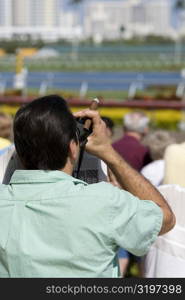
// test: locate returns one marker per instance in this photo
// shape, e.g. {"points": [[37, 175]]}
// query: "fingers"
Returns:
{"points": [[94, 115]]}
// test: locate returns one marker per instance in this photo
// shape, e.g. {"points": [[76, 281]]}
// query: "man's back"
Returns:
{"points": [[53, 225], [136, 154]]}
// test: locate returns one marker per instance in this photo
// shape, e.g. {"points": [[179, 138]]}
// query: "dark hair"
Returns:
{"points": [[109, 123], [43, 130]]}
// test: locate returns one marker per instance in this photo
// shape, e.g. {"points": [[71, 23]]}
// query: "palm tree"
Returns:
{"points": [[178, 7], [180, 4], [75, 1], [75, 42]]}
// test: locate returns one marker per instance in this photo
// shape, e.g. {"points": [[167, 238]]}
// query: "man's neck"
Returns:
{"points": [[68, 169], [136, 135]]}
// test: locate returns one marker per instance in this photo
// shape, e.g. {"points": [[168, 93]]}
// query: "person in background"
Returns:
{"points": [[157, 142], [166, 257], [109, 126], [110, 131], [9, 162], [136, 127], [174, 159], [5, 131]]}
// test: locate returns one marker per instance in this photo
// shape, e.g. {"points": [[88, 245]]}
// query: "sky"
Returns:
{"points": [[66, 3]]}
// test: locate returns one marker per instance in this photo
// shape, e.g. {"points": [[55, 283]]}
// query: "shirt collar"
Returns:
{"points": [[40, 176]]}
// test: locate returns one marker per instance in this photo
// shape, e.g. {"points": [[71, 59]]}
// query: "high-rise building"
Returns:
{"points": [[36, 13], [5, 13], [107, 18], [45, 19], [136, 17], [21, 13], [100, 19], [156, 15]]}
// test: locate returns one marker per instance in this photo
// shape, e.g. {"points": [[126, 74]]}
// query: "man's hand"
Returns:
{"points": [[98, 142]]}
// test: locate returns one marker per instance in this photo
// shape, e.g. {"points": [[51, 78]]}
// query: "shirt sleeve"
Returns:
{"points": [[135, 223]]}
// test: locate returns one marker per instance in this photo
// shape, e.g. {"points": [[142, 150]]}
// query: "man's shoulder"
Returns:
{"points": [[102, 187], [106, 192], [5, 193]]}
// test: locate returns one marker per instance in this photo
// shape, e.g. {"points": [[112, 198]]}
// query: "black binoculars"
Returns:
{"points": [[82, 132]]}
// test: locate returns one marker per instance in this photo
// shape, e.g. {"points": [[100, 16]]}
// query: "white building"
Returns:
{"points": [[43, 19], [5, 13], [104, 19], [37, 18], [153, 16], [35, 13], [69, 25]]}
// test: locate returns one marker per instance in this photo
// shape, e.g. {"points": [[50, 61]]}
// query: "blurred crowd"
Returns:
{"points": [[158, 156]]}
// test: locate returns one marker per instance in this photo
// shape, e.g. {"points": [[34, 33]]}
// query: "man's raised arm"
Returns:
{"points": [[128, 178]]}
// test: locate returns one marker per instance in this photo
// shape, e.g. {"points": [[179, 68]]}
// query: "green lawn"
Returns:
{"points": [[99, 62]]}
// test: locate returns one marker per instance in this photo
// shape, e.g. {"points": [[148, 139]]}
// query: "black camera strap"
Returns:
{"points": [[83, 134], [82, 149]]}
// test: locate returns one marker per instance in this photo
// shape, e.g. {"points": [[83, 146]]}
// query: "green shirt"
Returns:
{"points": [[53, 225]]}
